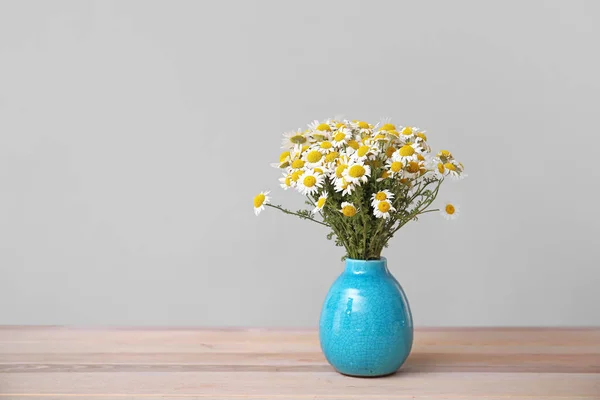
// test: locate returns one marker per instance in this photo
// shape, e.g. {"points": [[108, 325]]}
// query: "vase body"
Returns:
{"points": [[366, 326]]}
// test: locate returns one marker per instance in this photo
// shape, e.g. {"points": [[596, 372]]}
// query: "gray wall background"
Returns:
{"points": [[134, 134]]}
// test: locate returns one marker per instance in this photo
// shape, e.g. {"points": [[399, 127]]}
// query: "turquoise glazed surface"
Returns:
{"points": [[366, 326]]}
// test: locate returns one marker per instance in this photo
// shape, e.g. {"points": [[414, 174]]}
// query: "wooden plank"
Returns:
{"points": [[134, 363], [73, 340], [291, 385]]}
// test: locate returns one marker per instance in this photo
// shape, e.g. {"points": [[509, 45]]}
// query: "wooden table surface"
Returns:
{"points": [[102, 364]]}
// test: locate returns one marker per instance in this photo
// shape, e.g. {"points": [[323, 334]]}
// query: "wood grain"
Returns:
{"points": [[103, 364]]}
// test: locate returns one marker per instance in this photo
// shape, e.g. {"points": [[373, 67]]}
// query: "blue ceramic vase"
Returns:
{"points": [[366, 326]]}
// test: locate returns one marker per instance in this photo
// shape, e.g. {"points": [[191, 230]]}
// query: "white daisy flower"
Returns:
{"points": [[412, 169], [444, 155], [394, 168], [421, 136], [297, 163], [331, 159], [350, 187], [438, 168], [367, 151], [450, 211], [377, 139], [389, 151], [295, 175], [340, 137], [348, 209], [294, 140], [454, 170], [285, 159], [260, 200], [320, 203], [338, 171], [322, 171], [383, 209], [357, 172], [408, 132], [405, 154], [286, 181], [342, 185], [313, 158], [323, 127], [388, 128], [362, 127], [310, 182], [381, 196], [325, 146]]}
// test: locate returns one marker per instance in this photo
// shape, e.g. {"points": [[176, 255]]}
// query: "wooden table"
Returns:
{"points": [[102, 364]]}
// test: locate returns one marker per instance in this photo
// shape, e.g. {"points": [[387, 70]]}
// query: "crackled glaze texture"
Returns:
{"points": [[366, 327]]}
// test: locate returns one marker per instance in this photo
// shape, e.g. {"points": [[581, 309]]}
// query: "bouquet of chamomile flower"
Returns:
{"points": [[363, 181]]}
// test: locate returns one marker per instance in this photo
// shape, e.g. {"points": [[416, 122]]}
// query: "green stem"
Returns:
{"points": [[299, 215], [419, 211]]}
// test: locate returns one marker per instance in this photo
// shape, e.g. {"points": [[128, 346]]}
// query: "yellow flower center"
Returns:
{"points": [[319, 170], [396, 166], [318, 138], [326, 145], [379, 137], [356, 171], [296, 175], [288, 180], [259, 200], [298, 139], [339, 136], [363, 125], [450, 166], [406, 151], [412, 167], [298, 164], [388, 127], [321, 202], [284, 164], [340, 125], [422, 136], [381, 196], [450, 209], [444, 153], [349, 211], [420, 157], [362, 150], [323, 127], [407, 131], [283, 156], [383, 206], [354, 144], [339, 170], [441, 168], [313, 156], [385, 175], [390, 151], [309, 181], [331, 157]]}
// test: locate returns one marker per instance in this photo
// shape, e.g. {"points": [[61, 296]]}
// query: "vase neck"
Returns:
{"points": [[366, 267]]}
